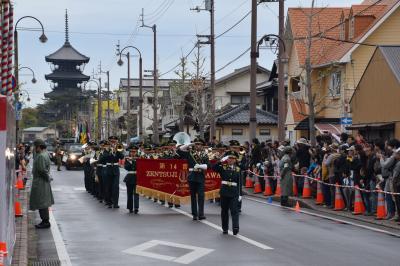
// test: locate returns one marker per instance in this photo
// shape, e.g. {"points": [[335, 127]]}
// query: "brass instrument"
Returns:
{"points": [[120, 147]]}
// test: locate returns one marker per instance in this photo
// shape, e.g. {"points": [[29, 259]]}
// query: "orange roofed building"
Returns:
{"points": [[344, 39]]}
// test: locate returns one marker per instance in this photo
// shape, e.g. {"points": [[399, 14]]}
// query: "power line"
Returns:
{"points": [[234, 25], [161, 14], [177, 65], [233, 60]]}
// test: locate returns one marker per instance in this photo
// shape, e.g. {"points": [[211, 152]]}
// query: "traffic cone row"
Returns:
{"points": [[268, 189], [381, 207], [339, 202], [359, 207], [320, 196], [306, 189], [295, 190], [3, 249], [249, 182], [18, 209]]}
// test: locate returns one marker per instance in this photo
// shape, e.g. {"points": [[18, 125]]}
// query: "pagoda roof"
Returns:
{"points": [[62, 75], [67, 53]]}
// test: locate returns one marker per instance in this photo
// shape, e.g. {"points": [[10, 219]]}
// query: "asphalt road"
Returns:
{"points": [[87, 233]]}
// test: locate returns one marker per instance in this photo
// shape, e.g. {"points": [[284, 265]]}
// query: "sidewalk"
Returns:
{"points": [[310, 204], [20, 255]]}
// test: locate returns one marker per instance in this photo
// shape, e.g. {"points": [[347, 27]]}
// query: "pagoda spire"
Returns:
{"points": [[66, 27]]}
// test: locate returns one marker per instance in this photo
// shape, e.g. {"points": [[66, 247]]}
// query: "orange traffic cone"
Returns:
{"points": [[339, 202], [268, 189], [297, 208], [278, 187], [359, 207], [249, 182], [257, 185], [295, 190], [18, 209], [3, 249], [20, 184], [320, 195], [306, 189], [381, 208]]}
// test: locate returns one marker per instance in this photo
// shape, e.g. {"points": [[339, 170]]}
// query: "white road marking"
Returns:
{"points": [[217, 227], [56, 189], [60, 246], [329, 218], [122, 187], [195, 253], [79, 189]]}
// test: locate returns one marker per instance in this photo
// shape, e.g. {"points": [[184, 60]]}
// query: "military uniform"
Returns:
{"points": [[99, 173], [130, 181], [197, 162], [113, 176], [87, 170], [229, 193]]}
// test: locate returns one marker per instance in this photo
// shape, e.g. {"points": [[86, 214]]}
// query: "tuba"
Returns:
{"points": [[182, 138], [120, 147]]}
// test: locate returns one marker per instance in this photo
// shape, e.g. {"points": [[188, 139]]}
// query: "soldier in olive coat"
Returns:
{"points": [[41, 197], [286, 166]]}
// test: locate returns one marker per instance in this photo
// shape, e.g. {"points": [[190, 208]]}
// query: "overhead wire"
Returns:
{"points": [[233, 60]]}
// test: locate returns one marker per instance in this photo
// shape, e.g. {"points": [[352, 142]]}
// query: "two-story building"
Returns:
{"points": [[344, 40]]}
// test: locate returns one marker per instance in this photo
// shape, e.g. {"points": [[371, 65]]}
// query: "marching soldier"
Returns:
{"points": [[114, 156], [130, 181], [229, 192], [99, 157], [105, 173], [87, 168], [197, 162]]}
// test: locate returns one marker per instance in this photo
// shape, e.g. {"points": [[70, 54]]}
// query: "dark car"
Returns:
{"points": [[72, 154]]}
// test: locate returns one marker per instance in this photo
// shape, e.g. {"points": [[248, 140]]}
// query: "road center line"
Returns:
{"points": [[63, 255], [328, 218], [217, 227]]}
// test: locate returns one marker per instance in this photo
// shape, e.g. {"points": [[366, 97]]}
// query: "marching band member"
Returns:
{"points": [[197, 161], [229, 192], [130, 181], [113, 158], [105, 173]]}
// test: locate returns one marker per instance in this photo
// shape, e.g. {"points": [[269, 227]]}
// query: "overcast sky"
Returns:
{"points": [[97, 25]]}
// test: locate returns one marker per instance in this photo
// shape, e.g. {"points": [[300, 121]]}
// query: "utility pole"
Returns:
{"points": [[209, 6], [253, 71], [155, 77], [281, 75], [108, 104]]}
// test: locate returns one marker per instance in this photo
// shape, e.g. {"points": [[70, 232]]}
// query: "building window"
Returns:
{"points": [[134, 103], [237, 132], [342, 30], [351, 28], [295, 84], [149, 100], [240, 99], [265, 132], [335, 83]]}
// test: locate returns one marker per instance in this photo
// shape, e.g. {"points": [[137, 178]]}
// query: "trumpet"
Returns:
{"points": [[120, 147]]}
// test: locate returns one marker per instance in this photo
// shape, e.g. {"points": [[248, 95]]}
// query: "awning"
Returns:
{"points": [[328, 124], [372, 126], [329, 128]]}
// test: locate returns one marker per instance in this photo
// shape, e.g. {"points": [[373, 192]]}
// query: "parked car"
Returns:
{"points": [[72, 154], [51, 150]]}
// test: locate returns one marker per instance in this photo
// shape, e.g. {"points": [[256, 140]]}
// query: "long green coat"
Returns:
{"points": [[285, 166], [41, 195]]}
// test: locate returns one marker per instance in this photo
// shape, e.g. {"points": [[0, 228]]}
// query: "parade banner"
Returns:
{"points": [[167, 180]]}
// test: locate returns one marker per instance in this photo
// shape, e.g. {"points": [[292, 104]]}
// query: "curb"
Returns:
{"points": [[20, 254], [309, 204]]}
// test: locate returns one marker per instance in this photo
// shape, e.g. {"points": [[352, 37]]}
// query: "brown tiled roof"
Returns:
{"points": [[299, 109], [327, 50]]}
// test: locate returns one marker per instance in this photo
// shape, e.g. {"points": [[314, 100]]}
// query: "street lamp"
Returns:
{"points": [[42, 39], [99, 107], [33, 73], [120, 63], [276, 42]]}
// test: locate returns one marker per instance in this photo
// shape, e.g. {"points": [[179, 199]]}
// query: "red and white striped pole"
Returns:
{"points": [[4, 48], [10, 50]]}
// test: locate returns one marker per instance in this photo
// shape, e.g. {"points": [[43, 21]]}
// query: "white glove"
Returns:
{"points": [[225, 158], [202, 166], [196, 166], [240, 198]]}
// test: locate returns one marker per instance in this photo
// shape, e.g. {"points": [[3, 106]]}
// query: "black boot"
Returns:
{"points": [[43, 225]]}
